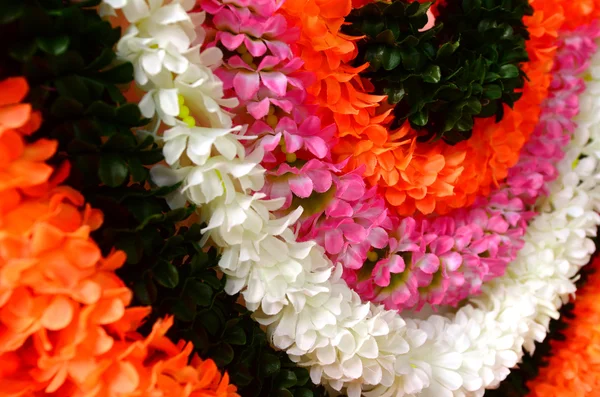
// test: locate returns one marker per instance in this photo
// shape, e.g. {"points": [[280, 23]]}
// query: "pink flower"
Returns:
{"points": [[239, 26], [288, 180], [263, 8]]}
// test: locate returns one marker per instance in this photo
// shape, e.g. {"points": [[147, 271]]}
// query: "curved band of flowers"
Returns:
{"points": [[65, 327], [292, 286]]}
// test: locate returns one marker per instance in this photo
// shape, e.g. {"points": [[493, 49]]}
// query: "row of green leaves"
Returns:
{"points": [[468, 65], [65, 50]]}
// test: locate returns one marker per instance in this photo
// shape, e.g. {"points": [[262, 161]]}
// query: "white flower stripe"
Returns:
{"points": [[310, 312]]}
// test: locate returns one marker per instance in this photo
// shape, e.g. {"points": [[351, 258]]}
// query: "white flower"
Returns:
{"points": [[198, 143], [158, 41], [203, 92]]}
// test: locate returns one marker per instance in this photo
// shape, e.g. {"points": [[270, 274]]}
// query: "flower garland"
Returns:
{"points": [[437, 177], [573, 369], [312, 314], [452, 255], [64, 325], [436, 261]]}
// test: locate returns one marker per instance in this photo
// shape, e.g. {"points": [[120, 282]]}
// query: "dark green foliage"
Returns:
{"points": [[467, 66], [66, 53]]}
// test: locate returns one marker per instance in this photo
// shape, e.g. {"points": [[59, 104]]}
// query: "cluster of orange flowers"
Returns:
{"points": [[418, 177], [343, 97], [65, 329], [573, 370]]}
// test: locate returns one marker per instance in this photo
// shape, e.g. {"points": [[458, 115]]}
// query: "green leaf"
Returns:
{"points": [[65, 108], [420, 118], [138, 172], [391, 58], [183, 312], [120, 74], [129, 114], [471, 5], [302, 375], [11, 10], [433, 74], [508, 71], [166, 274], [23, 51], [200, 261], [54, 45], [200, 292], [145, 292], [74, 87], [222, 355], [235, 336], [269, 364], [446, 50], [285, 379], [303, 392], [492, 91], [113, 170], [210, 321]]}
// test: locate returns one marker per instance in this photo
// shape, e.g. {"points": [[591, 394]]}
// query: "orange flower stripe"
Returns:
{"points": [[573, 370], [417, 177], [65, 329], [343, 97], [439, 177]]}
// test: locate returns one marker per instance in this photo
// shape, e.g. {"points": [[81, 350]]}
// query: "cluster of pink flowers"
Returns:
{"points": [[404, 263], [442, 260], [260, 69]]}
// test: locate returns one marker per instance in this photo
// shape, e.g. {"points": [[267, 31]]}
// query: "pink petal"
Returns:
{"points": [[260, 109], [236, 62], [338, 209], [428, 263], [275, 81], [255, 48], [225, 20], [322, 179], [442, 244], [316, 146], [246, 85], [279, 49], [231, 41], [353, 232], [378, 237], [293, 143], [334, 241], [352, 189], [283, 104], [268, 62], [452, 261], [301, 186]]}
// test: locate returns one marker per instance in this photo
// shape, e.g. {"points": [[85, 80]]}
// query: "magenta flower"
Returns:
{"points": [[257, 33]]}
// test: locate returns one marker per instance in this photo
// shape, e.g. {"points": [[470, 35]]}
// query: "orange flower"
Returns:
{"points": [[64, 326], [428, 177], [574, 368], [21, 165], [581, 13], [343, 97]]}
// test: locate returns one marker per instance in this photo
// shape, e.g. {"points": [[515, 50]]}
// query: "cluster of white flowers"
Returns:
{"points": [[309, 311]]}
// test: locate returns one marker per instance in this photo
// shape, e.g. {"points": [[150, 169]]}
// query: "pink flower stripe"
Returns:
{"points": [[404, 263], [442, 260]]}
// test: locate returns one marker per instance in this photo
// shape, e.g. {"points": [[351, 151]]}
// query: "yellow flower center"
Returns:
{"points": [[247, 57], [372, 256], [272, 120], [291, 157]]}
